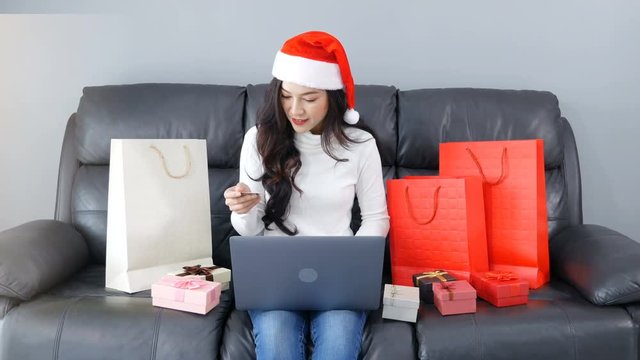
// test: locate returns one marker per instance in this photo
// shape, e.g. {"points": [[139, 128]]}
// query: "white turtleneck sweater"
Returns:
{"points": [[328, 188]]}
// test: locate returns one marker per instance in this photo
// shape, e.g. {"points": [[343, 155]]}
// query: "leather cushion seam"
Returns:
{"points": [[572, 331], [156, 333], [56, 344]]}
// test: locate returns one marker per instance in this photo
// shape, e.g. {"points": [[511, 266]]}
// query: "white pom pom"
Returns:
{"points": [[351, 116]]}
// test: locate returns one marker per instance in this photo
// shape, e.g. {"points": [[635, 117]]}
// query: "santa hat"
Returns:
{"points": [[317, 59]]}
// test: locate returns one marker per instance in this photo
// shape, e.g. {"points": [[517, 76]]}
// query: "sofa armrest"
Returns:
{"points": [[38, 255], [602, 264]]}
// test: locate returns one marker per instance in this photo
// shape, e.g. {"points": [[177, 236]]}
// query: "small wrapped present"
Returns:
{"points": [[186, 293], [400, 303], [425, 280], [454, 297], [209, 273], [501, 288]]}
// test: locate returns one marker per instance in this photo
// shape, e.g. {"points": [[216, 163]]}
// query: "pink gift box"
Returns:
{"points": [[454, 297], [186, 293]]}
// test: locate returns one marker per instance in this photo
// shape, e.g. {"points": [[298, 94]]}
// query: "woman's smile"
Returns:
{"points": [[298, 122]]}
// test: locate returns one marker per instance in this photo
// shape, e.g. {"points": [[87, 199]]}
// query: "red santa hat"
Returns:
{"points": [[317, 59]]}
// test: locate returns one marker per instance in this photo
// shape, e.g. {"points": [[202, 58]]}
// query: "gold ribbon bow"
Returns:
{"points": [[432, 274]]}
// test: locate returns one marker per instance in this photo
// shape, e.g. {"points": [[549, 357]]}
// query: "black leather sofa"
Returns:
{"points": [[53, 304]]}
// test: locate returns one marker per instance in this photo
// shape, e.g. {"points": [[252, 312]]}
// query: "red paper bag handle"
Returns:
{"points": [[410, 208], [503, 173]]}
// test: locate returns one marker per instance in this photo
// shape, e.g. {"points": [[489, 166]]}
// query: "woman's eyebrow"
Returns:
{"points": [[313, 92]]}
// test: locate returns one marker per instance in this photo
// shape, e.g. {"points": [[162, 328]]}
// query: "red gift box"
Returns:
{"points": [[501, 288], [454, 297]]}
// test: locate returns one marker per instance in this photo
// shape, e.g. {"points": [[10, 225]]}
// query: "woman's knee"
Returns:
{"points": [[279, 334], [338, 331]]}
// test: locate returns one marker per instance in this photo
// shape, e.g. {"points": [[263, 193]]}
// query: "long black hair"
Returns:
{"points": [[280, 157]]}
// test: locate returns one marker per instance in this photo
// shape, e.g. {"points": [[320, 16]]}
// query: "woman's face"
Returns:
{"points": [[305, 107]]}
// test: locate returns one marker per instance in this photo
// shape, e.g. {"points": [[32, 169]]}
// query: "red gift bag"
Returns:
{"points": [[514, 198], [436, 223]]}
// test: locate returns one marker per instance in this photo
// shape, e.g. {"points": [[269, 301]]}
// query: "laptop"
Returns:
{"points": [[307, 272]]}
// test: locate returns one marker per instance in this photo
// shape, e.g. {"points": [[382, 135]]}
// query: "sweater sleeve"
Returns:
{"points": [[251, 170], [371, 194]]}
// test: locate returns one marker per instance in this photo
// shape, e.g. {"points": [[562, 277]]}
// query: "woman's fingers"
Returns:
{"points": [[245, 206], [236, 191], [242, 199], [231, 193], [241, 187], [237, 202]]}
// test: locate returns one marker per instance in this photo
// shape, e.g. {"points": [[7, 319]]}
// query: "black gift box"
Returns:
{"points": [[425, 282]]}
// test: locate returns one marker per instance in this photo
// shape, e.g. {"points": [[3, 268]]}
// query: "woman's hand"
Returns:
{"points": [[239, 203]]}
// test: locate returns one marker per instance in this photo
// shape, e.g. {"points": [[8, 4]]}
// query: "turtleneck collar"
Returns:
{"points": [[307, 141]]}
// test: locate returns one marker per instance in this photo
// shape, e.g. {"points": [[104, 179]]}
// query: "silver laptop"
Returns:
{"points": [[307, 272]]}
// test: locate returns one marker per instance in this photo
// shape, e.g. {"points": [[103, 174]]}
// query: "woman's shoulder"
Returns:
{"points": [[252, 132], [359, 135]]}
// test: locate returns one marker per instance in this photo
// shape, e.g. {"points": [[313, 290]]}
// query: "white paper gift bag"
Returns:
{"points": [[158, 210]]}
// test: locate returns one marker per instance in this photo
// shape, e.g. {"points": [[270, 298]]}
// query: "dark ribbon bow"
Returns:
{"points": [[199, 270]]}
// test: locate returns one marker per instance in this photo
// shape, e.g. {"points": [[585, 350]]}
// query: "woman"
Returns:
{"points": [[300, 168]]}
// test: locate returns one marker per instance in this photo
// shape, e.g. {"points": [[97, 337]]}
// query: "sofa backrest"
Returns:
{"points": [[428, 117], [210, 112], [407, 125]]}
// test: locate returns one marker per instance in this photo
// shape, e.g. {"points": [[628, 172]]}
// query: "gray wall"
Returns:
{"points": [[585, 51]]}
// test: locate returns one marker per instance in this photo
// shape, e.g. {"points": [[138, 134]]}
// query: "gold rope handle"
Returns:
{"points": [[187, 155], [503, 173], [410, 208]]}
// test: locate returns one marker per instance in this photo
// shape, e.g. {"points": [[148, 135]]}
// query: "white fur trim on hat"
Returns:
{"points": [[306, 72], [351, 116]]}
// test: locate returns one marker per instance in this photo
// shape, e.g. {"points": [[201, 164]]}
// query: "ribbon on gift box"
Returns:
{"points": [[393, 293], [432, 274], [449, 287], [183, 284], [198, 270], [500, 275]]}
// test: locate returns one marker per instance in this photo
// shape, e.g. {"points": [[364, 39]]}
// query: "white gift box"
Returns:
{"points": [[221, 275], [401, 303]]}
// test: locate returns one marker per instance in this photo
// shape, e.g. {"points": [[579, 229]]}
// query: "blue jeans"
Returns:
{"points": [[336, 334]]}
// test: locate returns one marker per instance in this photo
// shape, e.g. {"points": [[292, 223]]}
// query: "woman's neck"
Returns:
{"points": [[308, 141]]}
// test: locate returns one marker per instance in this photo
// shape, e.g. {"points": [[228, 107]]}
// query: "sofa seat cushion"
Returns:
{"points": [[555, 290], [555, 324], [109, 327], [634, 311], [89, 282]]}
